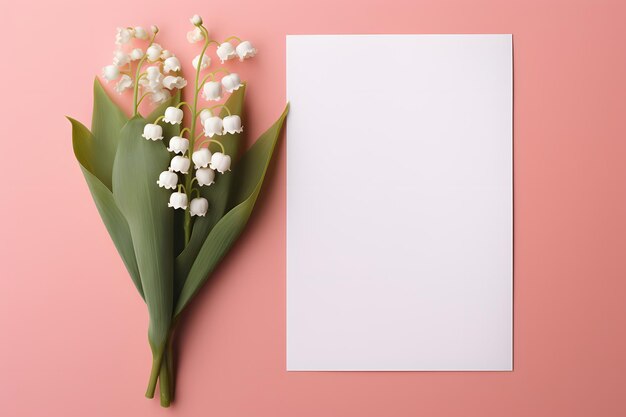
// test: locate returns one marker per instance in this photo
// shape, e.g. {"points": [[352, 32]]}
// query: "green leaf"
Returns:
{"points": [[248, 179], [83, 141], [106, 123], [217, 195], [137, 166]]}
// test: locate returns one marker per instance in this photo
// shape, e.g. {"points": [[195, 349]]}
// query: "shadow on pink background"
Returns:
{"points": [[73, 329]]}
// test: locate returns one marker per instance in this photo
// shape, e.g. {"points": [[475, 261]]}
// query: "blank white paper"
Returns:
{"points": [[399, 202]]}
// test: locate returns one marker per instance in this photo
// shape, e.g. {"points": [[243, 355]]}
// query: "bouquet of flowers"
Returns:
{"points": [[166, 191]]}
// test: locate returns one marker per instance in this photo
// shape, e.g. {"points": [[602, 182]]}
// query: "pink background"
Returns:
{"points": [[73, 329]]}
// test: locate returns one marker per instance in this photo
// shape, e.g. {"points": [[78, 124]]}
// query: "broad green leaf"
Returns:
{"points": [[248, 179], [137, 166], [217, 195], [106, 123], [82, 141]]}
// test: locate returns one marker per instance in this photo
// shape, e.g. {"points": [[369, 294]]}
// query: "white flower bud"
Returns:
{"points": [[232, 124], [136, 54], [231, 82], [152, 132], [153, 73], [123, 36], [173, 115], [178, 145], [171, 64], [120, 58], [220, 162], [180, 164], [205, 176], [196, 20], [153, 81], [245, 50], [195, 35], [140, 33], [160, 96], [110, 72], [201, 158], [124, 83], [213, 126], [226, 51], [206, 61], [154, 52], [205, 114], [178, 201], [212, 90], [170, 82], [166, 54], [198, 206], [168, 179], [154, 28]]}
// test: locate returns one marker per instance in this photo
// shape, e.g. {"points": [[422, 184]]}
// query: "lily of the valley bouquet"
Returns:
{"points": [[171, 187]]}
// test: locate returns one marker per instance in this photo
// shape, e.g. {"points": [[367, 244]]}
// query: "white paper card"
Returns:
{"points": [[399, 202]]}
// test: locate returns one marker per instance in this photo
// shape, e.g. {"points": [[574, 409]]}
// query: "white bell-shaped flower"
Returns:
{"points": [[110, 72], [160, 96], [213, 126], [171, 64], [123, 36], [168, 179], [232, 124], [166, 54], [178, 145], [204, 115], [245, 50], [178, 200], [120, 58], [198, 206], [140, 33], [206, 61], [196, 20], [226, 51], [152, 132], [205, 176], [195, 35], [171, 82], [123, 84], [220, 162], [231, 82], [153, 53], [173, 115], [212, 90], [153, 80], [201, 158], [153, 73], [136, 54], [180, 164]]}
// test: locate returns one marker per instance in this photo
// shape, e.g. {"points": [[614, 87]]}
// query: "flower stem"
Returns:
{"points": [[165, 387], [137, 72], [192, 130], [157, 359]]}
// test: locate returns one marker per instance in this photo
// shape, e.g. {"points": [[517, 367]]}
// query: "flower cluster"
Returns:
{"points": [[156, 70], [206, 164]]}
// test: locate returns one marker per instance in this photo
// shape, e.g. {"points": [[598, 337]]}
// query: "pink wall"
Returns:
{"points": [[73, 328]]}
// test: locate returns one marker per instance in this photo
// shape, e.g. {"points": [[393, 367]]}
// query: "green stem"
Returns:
{"points": [[170, 365], [192, 132], [165, 387], [137, 72], [157, 359]]}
